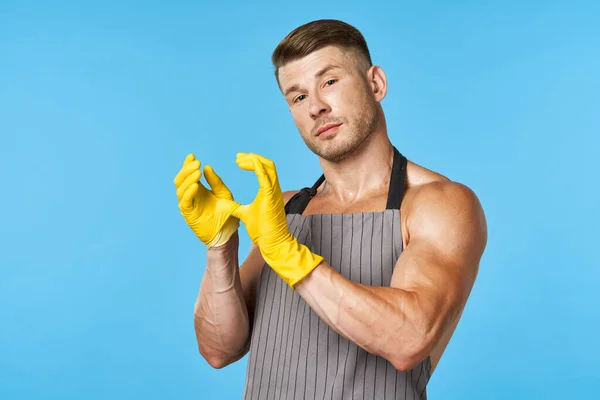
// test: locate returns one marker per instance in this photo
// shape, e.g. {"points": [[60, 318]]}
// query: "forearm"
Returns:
{"points": [[383, 321], [220, 314]]}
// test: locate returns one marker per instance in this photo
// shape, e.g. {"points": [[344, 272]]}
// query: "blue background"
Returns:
{"points": [[100, 103]]}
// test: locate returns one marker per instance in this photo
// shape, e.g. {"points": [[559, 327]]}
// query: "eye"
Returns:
{"points": [[299, 98], [330, 82]]}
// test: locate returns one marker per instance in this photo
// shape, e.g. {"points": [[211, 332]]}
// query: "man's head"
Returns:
{"points": [[324, 70]]}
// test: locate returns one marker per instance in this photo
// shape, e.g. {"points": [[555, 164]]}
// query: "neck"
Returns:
{"points": [[363, 172]]}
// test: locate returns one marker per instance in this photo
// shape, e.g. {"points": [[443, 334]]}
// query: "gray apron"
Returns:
{"points": [[293, 353]]}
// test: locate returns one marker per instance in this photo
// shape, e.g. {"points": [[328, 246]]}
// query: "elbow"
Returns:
{"points": [[404, 364], [216, 360], [220, 359], [408, 358]]}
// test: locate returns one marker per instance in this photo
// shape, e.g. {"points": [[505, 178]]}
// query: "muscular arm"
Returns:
{"points": [[431, 282], [222, 314], [224, 309]]}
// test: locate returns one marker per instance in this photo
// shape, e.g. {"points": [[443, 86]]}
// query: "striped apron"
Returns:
{"points": [[293, 353]]}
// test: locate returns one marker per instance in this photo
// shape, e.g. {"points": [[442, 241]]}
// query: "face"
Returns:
{"points": [[334, 102]]}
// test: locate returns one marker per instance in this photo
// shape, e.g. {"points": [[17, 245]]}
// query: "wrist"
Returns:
{"points": [[292, 260], [229, 228], [225, 249], [277, 253]]}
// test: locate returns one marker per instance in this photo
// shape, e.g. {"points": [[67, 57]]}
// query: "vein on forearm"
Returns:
{"points": [[372, 317], [220, 315]]}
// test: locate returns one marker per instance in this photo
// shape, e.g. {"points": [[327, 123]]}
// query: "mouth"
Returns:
{"points": [[326, 128]]}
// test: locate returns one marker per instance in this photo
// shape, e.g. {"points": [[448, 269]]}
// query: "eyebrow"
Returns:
{"points": [[319, 74]]}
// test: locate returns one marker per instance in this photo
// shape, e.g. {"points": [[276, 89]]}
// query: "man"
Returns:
{"points": [[354, 288]]}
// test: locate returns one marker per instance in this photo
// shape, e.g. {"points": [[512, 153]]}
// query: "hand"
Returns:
{"points": [[207, 212], [267, 227], [264, 218]]}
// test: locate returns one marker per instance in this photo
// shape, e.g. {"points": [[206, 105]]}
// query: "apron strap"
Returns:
{"points": [[298, 202], [397, 181]]}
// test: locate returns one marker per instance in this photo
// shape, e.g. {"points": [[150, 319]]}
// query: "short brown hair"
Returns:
{"points": [[314, 36]]}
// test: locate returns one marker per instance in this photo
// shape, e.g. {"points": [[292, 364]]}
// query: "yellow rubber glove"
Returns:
{"points": [[266, 224], [207, 212]]}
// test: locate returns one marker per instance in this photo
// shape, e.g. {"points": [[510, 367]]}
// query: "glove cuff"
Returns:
{"points": [[224, 234], [292, 261]]}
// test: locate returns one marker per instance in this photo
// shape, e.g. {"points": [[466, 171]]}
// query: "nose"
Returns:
{"points": [[318, 106]]}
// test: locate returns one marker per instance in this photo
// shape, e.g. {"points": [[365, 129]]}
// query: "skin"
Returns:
{"points": [[443, 227]]}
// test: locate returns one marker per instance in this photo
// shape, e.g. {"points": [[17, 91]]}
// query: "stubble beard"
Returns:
{"points": [[336, 149]]}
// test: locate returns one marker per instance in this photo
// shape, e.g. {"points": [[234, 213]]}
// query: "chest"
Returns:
{"points": [[322, 204]]}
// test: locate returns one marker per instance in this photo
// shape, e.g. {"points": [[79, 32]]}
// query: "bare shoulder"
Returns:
{"points": [[287, 195], [446, 212]]}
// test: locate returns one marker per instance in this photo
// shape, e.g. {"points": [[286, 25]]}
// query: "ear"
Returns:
{"points": [[378, 82]]}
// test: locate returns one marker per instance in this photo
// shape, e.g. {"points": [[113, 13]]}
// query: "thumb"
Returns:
{"points": [[216, 184]]}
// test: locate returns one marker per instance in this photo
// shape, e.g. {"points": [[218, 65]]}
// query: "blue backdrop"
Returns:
{"points": [[100, 103]]}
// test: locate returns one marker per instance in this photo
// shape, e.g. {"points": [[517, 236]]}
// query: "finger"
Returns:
{"points": [[185, 171], [265, 161], [245, 161], [189, 158], [264, 178], [268, 167], [216, 184], [246, 157], [188, 196], [250, 162], [192, 178]]}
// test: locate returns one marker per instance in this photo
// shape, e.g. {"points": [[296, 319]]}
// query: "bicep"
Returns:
{"points": [[438, 286], [440, 263]]}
